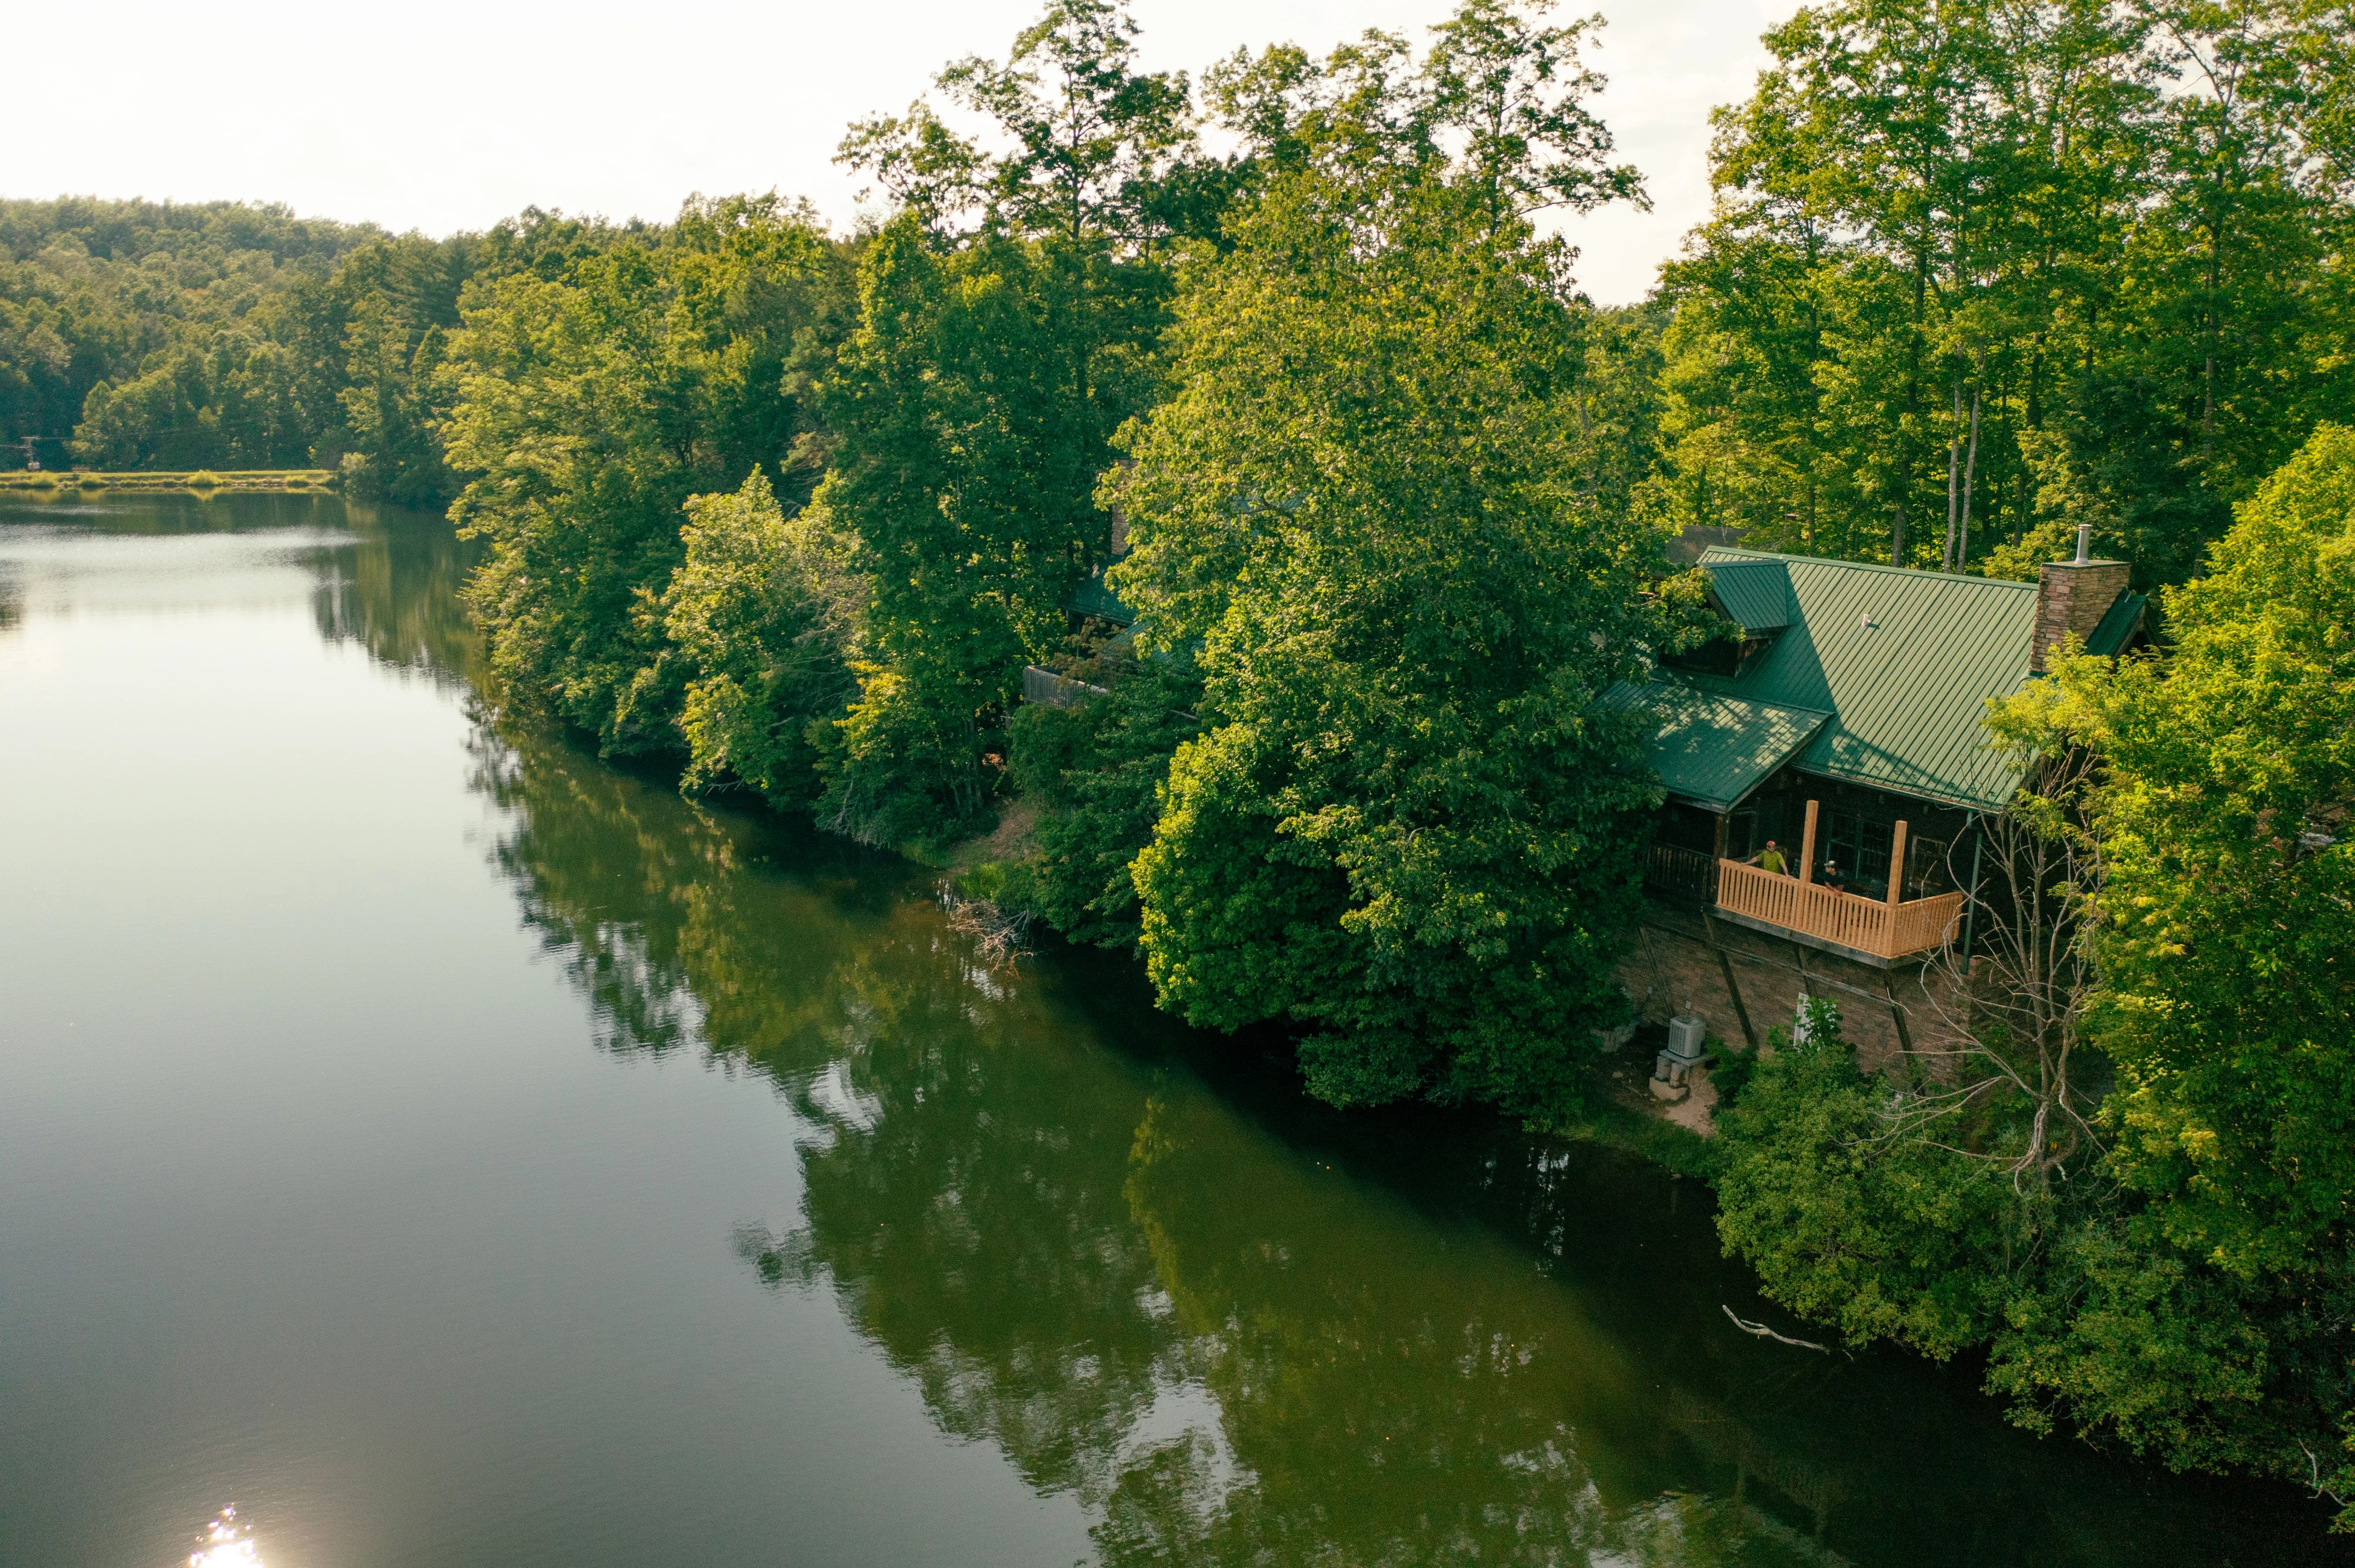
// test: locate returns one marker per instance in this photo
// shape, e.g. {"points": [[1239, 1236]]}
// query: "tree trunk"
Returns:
{"points": [[1970, 474], [1953, 480]]}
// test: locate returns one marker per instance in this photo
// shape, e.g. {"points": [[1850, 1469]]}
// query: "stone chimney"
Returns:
{"points": [[2074, 596]]}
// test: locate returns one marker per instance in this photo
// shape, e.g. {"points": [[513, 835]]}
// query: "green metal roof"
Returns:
{"points": [[1091, 596], [2124, 617], [1903, 662], [1711, 748], [1755, 594]]}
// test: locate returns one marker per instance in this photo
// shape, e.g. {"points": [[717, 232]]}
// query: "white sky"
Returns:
{"points": [[447, 114]]}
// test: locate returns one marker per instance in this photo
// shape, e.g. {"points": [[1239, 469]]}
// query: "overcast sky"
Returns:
{"points": [[448, 114]]}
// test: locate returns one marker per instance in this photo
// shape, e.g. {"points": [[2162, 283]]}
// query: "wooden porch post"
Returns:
{"points": [[1897, 868], [1807, 848]]}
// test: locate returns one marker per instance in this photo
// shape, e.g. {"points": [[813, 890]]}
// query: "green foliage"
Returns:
{"points": [[760, 617], [2216, 1326], [1091, 139], [159, 328], [1516, 94], [1847, 1220], [903, 768], [972, 410], [1947, 235], [1095, 773], [168, 337], [1405, 827], [970, 413], [590, 406], [2229, 948]]}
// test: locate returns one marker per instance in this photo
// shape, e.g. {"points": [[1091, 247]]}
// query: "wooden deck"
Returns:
{"points": [[1881, 928]]}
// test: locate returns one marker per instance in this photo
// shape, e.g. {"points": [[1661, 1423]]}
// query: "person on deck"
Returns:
{"points": [[1832, 877], [1771, 859]]}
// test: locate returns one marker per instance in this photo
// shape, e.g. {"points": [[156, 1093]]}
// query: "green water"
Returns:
{"points": [[448, 1149]]}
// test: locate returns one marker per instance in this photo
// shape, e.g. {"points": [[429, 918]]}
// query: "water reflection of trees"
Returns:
{"points": [[1230, 1350], [1082, 1258], [395, 591]]}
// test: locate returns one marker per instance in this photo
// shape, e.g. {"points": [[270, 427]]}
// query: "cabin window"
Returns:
{"points": [[1927, 875], [1857, 844]]}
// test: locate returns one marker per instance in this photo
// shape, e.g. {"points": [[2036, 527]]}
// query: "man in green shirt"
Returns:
{"points": [[1771, 859]]}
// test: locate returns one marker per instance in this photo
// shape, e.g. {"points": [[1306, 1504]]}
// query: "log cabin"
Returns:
{"points": [[1839, 716]]}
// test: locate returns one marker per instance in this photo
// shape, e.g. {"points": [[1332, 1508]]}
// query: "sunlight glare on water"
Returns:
{"points": [[227, 1544]]}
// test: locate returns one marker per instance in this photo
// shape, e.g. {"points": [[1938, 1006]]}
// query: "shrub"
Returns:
{"points": [[903, 766], [1848, 1222], [1095, 773]]}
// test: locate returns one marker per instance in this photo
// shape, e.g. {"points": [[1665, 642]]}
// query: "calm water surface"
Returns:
{"points": [[447, 1149]]}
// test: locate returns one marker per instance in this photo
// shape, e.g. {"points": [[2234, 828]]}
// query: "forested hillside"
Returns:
{"points": [[180, 302], [141, 335]]}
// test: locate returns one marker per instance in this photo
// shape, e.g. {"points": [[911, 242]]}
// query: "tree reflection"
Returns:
{"points": [[1084, 1258], [400, 600], [1230, 1347]]}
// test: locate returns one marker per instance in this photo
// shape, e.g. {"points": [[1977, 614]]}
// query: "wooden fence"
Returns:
{"points": [[1056, 691]]}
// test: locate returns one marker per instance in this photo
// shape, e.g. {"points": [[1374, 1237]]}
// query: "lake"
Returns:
{"points": [[444, 1148]]}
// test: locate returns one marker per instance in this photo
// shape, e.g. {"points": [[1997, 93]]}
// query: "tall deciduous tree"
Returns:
{"points": [[1950, 237], [1009, 321], [1408, 827], [590, 406], [762, 615]]}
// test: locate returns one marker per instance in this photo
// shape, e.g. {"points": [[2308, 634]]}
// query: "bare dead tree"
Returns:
{"points": [[2010, 1023]]}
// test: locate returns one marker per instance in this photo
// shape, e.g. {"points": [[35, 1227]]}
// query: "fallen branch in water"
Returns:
{"points": [[1001, 937], [1760, 1331]]}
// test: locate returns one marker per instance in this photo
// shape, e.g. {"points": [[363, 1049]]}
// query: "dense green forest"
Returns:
{"points": [[1291, 352], [146, 335]]}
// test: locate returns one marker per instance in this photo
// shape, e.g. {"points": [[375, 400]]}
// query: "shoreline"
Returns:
{"points": [[199, 480]]}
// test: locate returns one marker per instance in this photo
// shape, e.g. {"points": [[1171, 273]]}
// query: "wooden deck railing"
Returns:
{"points": [[1681, 873], [1869, 925]]}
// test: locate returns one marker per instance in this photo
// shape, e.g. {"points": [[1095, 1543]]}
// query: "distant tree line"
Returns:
{"points": [[152, 335]]}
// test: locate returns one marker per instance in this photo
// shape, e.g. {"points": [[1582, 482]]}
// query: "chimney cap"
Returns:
{"points": [[2085, 543]]}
